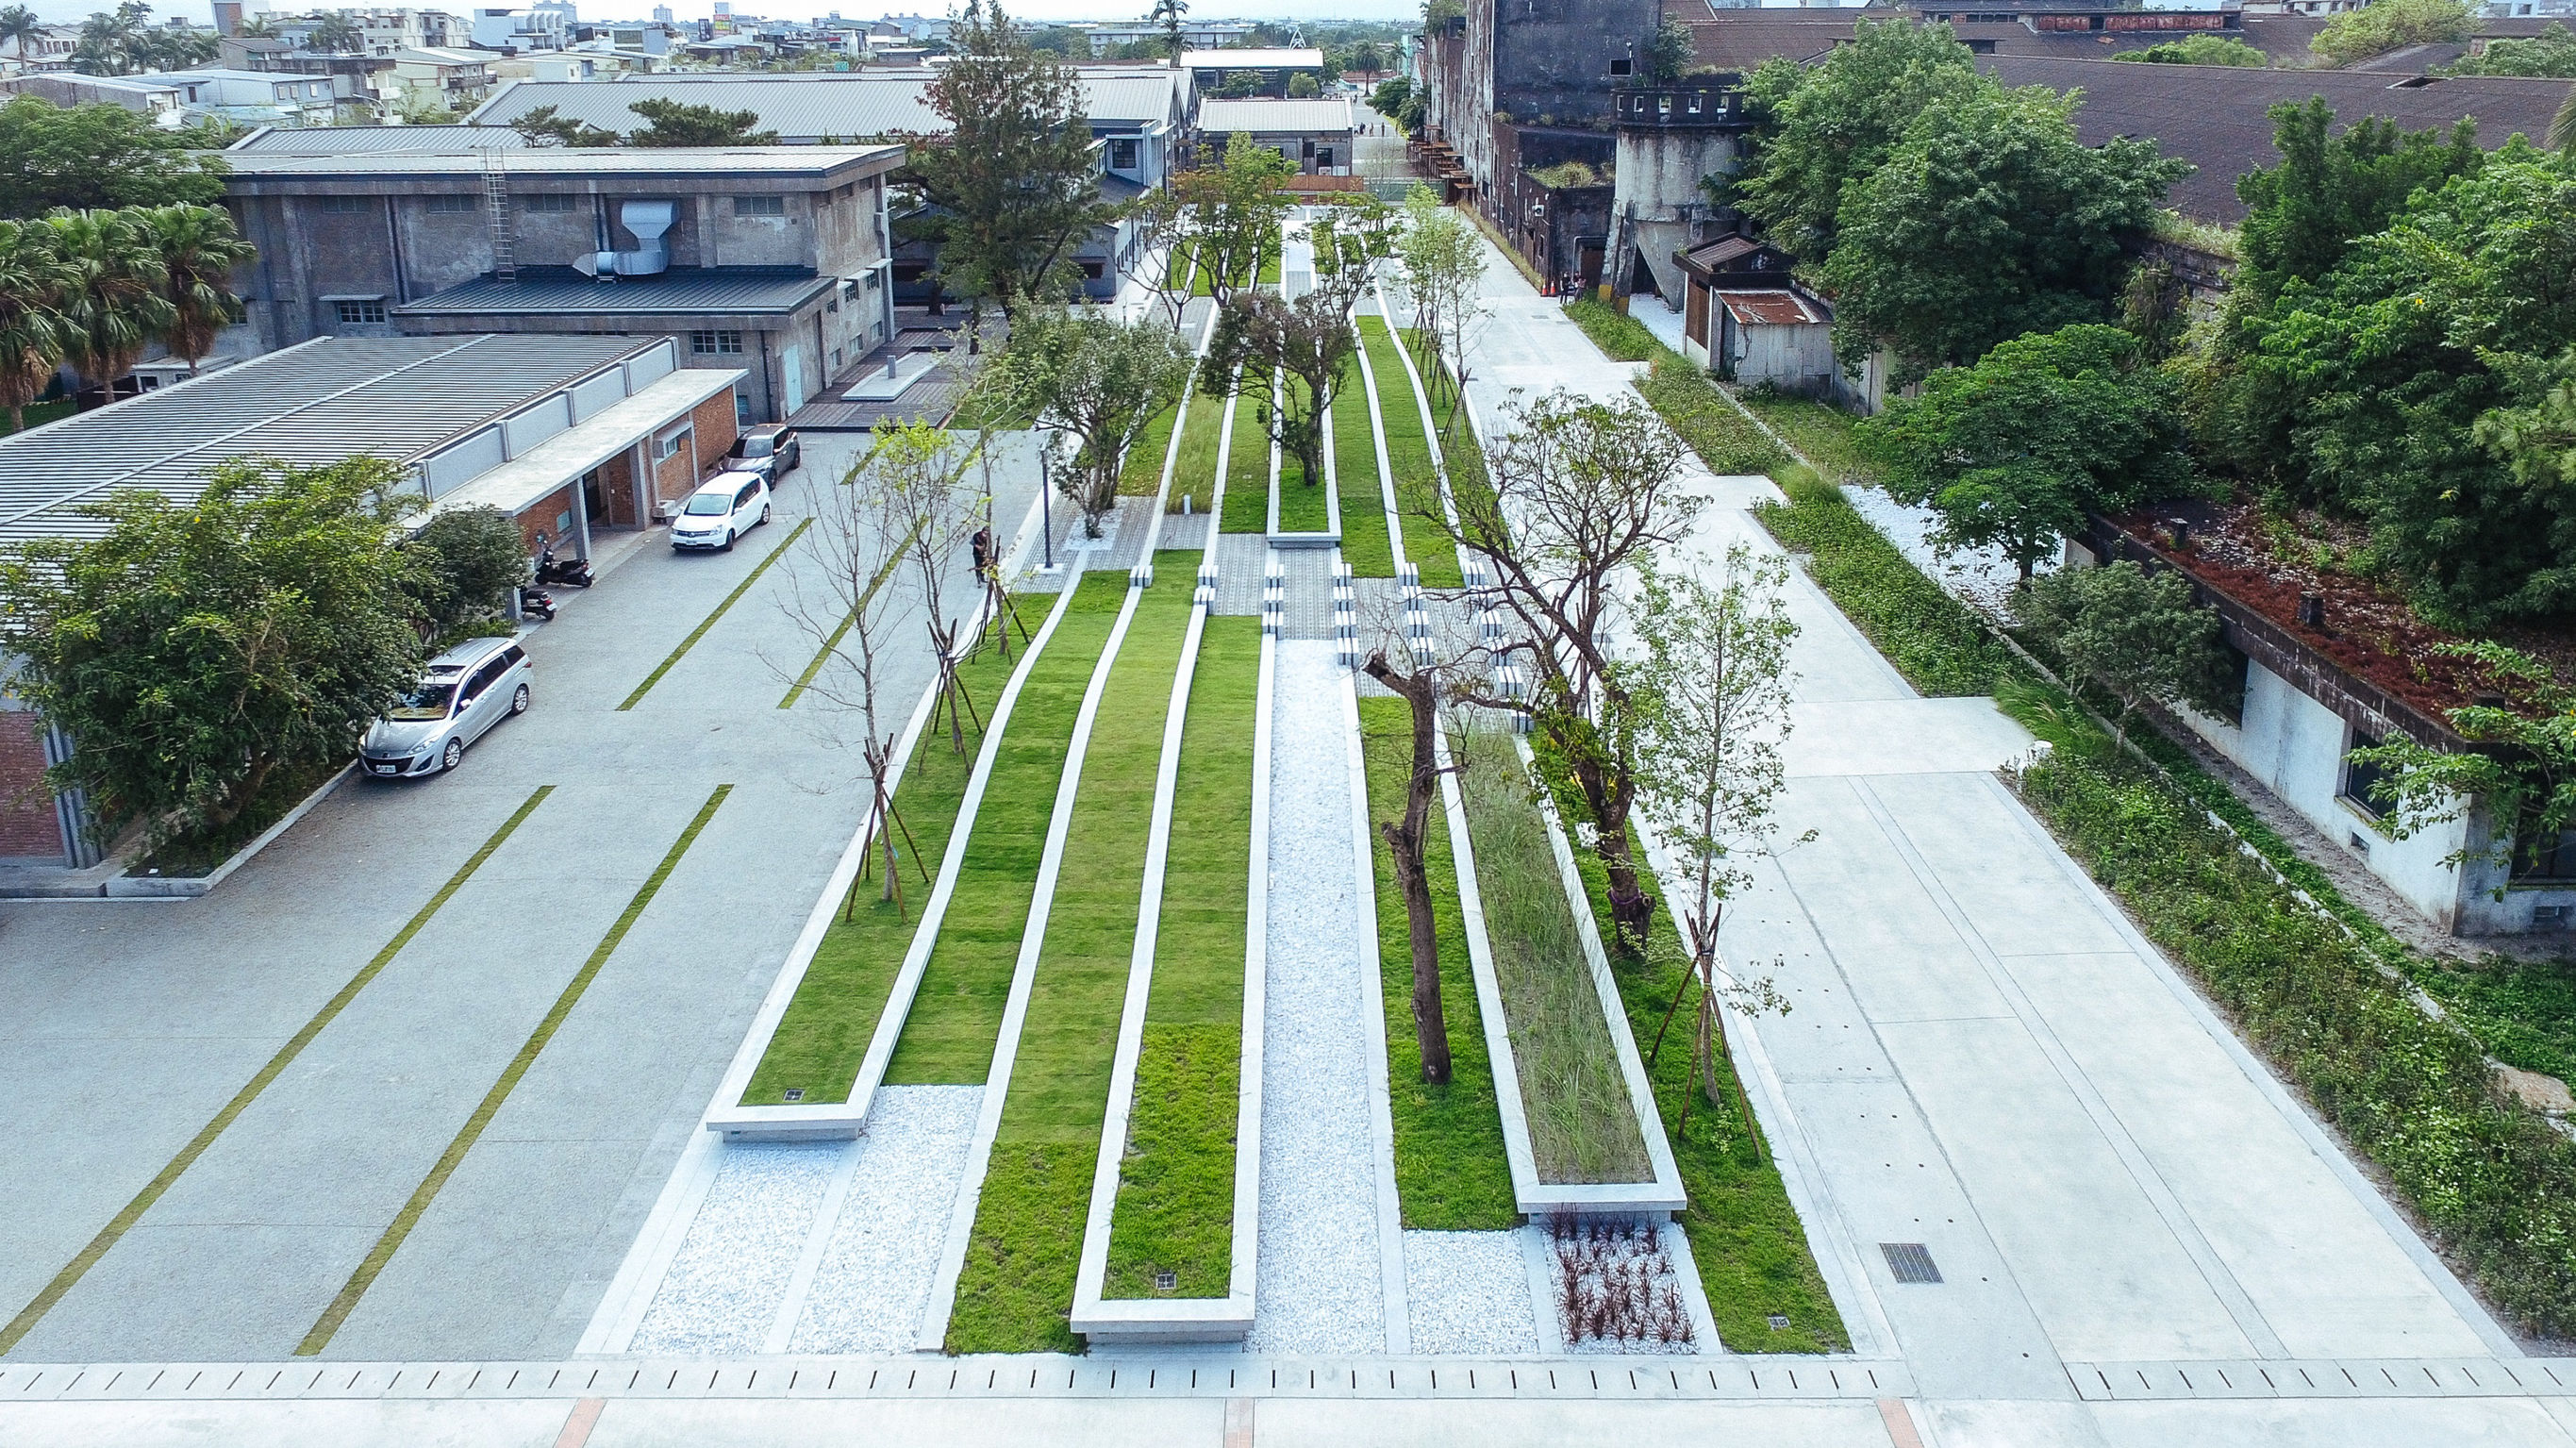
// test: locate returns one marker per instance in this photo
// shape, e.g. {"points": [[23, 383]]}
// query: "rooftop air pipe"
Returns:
{"points": [[647, 220]]}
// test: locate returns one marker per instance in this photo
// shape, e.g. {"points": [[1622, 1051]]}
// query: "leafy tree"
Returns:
{"points": [[200, 250], [1366, 58], [1824, 126], [1389, 98], [2331, 189], [1303, 87], [1442, 263], [1310, 339], [677, 123], [2011, 451], [1096, 379], [2386, 25], [2140, 635], [2200, 50], [2549, 55], [1235, 212], [124, 41], [1240, 85], [1669, 53], [33, 278], [1011, 183], [466, 563], [1423, 689], [113, 303], [2523, 784], [97, 155], [197, 648], [548, 126]]}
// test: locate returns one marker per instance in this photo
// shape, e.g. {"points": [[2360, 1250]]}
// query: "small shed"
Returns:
{"points": [[1781, 337]]}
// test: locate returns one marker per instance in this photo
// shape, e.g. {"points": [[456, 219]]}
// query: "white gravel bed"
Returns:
{"points": [[1319, 1287], [1468, 1292], [724, 1288], [1981, 575], [876, 1272]]}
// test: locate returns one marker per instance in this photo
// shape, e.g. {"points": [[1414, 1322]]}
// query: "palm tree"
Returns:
{"points": [[1168, 13], [2562, 127], [336, 32], [200, 250], [113, 305], [31, 330], [20, 24]]}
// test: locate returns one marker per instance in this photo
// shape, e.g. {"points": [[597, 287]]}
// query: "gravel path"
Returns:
{"points": [[1468, 1292], [874, 1280], [724, 1288], [1320, 1290]]}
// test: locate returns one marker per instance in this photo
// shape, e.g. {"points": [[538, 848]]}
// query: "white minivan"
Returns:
{"points": [[462, 693], [723, 508]]}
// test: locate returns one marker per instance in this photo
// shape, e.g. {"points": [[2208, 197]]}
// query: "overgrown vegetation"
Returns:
{"points": [[2199, 50], [1931, 638], [1175, 1209], [2357, 35], [1819, 431]]}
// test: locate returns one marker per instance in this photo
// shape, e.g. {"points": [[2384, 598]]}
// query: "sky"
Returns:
{"points": [[72, 10]]}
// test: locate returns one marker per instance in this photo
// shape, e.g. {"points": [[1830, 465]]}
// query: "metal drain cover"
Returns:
{"points": [[1909, 1262]]}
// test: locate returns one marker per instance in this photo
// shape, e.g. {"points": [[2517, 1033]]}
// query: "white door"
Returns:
{"points": [[791, 364]]}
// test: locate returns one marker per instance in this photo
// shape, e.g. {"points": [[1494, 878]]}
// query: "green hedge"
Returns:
{"points": [[1933, 639], [1622, 337]]}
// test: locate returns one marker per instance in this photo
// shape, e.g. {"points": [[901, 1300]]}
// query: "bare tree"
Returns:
{"points": [[1580, 491], [934, 514], [1715, 681]]}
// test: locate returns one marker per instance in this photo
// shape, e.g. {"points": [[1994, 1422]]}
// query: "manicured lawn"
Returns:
{"points": [[1746, 1239], [1822, 432], [1366, 544], [1175, 1208], [1016, 1291], [823, 1038], [1194, 471], [1302, 505], [948, 1037], [1142, 471], [1582, 1126], [1408, 456], [1247, 463], [1457, 435], [1451, 1174]]}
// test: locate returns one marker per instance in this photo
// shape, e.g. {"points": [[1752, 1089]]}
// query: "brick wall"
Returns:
{"points": [[541, 517], [27, 825], [716, 429], [616, 490]]}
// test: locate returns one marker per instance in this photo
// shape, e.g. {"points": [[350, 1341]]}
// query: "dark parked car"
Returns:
{"points": [[770, 449]]}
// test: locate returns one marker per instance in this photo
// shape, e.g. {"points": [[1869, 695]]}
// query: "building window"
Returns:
{"points": [[714, 343], [1122, 155], [670, 443], [359, 312], [549, 201], [2361, 779], [760, 206], [2548, 857], [343, 205], [438, 202]]}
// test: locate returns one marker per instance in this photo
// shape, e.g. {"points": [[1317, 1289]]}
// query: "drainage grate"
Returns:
{"points": [[1166, 1281], [794, 1093], [1910, 1262]]}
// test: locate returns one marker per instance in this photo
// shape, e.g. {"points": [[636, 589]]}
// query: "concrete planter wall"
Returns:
{"points": [[184, 887]]}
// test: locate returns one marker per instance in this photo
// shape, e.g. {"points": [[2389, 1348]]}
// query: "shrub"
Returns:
{"points": [[1932, 638], [470, 560]]}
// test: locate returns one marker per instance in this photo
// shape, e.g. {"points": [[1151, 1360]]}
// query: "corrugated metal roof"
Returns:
{"points": [[816, 161], [717, 291], [1224, 117], [325, 401], [1253, 58], [803, 107], [1770, 309], [354, 140]]}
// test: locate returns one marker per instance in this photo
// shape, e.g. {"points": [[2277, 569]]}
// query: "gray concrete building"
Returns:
{"points": [[771, 259]]}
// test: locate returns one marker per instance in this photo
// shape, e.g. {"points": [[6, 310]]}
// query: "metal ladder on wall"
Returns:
{"points": [[496, 208]]}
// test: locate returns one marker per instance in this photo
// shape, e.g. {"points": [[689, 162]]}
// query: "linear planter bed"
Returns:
{"points": [[1371, 541], [1403, 414], [1249, 459], [1176, 1184], [1300, 510], [172, 885], [1577, 1110], [1193, 470], [1014, 1285]]}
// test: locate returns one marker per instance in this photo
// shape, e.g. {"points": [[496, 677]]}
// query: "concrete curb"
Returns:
{"points": [[1390, 1205], [1489, 991], [1666, 1193], [997, 1081], [169, 887]]}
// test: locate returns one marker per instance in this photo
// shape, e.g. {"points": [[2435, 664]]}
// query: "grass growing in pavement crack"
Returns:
{"points": [[1451, 1173], [1175, 1207], [1408, 458], [1015, 1293], [823, 1037], [948, 1036]]}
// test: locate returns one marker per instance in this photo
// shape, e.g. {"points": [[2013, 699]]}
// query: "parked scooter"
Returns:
{"points": [[536, 603], [569, 572]]}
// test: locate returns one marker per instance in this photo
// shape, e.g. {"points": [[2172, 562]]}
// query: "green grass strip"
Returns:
{"points": [[1451, 1171], [1194, 470], [1175, 1206], [1247, 464], [1932, 638], [1745, 1237], [1408, 457], [1303, 507], [1141, 474], [1367, 546], [957, 1013], [1682, 393], [822, 1039], [700, 631], [1458, 445], [472, 1131], [1015, 1293], [170, 1173]]}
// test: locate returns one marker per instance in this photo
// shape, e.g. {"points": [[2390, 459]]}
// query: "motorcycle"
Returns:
{"points": [[536, 603], [568, 572]]}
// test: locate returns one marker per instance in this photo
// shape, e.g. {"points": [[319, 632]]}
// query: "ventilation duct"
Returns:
{"points": [[647, 220]]}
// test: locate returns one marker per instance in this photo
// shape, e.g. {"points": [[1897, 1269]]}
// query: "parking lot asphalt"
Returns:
{"points": [[131, 1025]]}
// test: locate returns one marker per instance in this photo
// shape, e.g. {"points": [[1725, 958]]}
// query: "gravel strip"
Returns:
{"points": [[1468, 1292], [1319, 1288], [874, 1280], [724, 1288]]}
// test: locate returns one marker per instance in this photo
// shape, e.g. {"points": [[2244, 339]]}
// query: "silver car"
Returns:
{"points": [[461, 693]]}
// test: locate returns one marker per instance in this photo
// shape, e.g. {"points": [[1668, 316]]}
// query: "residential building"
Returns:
{"points": [[252, 98], [540, 27], [359, 81], [1195, 34], [456, 79], [772, 259], [571, 435], [1314, 135]]}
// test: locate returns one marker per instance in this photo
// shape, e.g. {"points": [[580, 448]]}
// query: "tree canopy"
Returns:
{"points": [[97, 155], [2549, 55], [2385, 25], [678, 123], [2199, 50]]}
